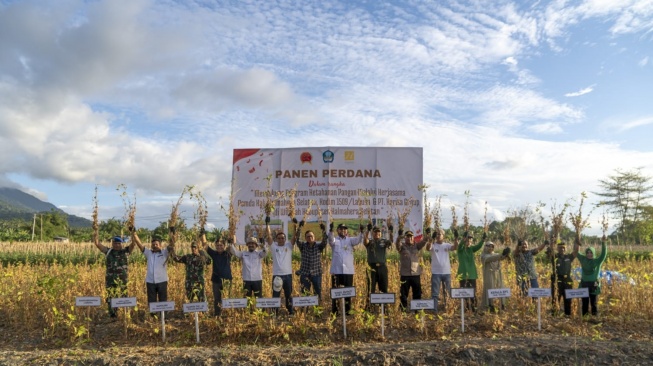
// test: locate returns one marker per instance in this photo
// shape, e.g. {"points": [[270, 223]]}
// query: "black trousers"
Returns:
{"points": [[378, 276], [591, 301], [218, 286], [157, 292], [563, 284], [409, 283], [341, 280], [253, 288]]}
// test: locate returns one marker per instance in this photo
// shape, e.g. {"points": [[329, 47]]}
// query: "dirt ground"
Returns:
{"points": [[542, 350]]}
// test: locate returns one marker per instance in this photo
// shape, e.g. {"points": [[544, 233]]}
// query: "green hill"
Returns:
{"points": [[16, 204]]}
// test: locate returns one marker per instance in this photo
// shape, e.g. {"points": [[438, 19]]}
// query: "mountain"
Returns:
{"points": [[16, 204]]}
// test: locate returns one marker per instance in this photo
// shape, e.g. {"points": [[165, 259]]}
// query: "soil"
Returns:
{"points": [[540, 350]]}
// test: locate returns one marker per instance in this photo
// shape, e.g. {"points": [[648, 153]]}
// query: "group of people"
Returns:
{"points": [[342, 265]]}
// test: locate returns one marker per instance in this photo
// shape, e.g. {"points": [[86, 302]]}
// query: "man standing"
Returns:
{"points": [[310, 268], [410, 269], [376, 260], [221, 274], [156, 277], [467, 266], [116, 277], [492, 276], [342, 262], [252, 269], [194, 263], [282, 264], [441, 266], [525, 265], [562, 275]]}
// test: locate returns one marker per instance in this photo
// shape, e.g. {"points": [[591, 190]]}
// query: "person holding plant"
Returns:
{"points": [[194, 263], [492, 276], [310, 268], [561, 277], [410, 268], [525, 265], [377, 273], [116, 276], [590, 266], [342, 262], [441, 265], [156, 276], [221, 274], [467, 274], [282, 264], [252, 270]]}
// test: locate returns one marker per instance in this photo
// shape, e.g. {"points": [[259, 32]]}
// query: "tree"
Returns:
{"points": [[625, 193]]}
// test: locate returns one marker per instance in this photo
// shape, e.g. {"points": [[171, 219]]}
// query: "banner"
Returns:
{"points": [[349, 185]]}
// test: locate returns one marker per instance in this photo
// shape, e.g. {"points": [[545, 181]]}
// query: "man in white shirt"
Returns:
{"points": [[342, 262], [282, 265], [441, 265], [252, 269], [156, 277]]}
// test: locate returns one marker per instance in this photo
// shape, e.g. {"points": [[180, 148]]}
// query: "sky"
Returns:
{"points": [[513, 102]]}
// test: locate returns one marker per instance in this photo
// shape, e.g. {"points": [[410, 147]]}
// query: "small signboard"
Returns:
{"points": [[462, 293], [162, 306], [301, 301], [428, 304], [577, 293], [498, 293], [382, 298], [234, 303], [123, 302], [343, 292], [539, 292], [268, 302], [196, 307], [88, 301]]}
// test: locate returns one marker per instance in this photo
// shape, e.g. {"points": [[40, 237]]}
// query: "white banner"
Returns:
{"points": [[348, 182]]}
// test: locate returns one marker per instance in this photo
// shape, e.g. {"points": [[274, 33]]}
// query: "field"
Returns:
{"points": [[40, 323]]}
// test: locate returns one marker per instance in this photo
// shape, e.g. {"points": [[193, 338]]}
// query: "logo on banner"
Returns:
{"points": [[328, 156], [306, 157], [349, 155]]}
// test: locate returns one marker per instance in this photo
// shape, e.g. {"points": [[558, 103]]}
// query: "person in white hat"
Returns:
{"points": [[342, 262], [252, 271]]}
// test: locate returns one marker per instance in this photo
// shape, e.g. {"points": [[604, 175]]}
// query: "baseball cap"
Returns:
{"points": [[277, 283], [409, 233]]}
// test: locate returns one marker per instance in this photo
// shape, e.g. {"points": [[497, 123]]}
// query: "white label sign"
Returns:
{"points": [[196, 307], [576, 293], [162, 306], [305, 301], [123, 302], [497, 293], [539, 292], [422, 304], [88, 301], [268, 302], [234, 303], [462, 293], [382, 298], [339, 293]]}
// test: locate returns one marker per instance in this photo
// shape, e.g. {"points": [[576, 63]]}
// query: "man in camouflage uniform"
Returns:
{"points": [[195, 263], [116, 275]]}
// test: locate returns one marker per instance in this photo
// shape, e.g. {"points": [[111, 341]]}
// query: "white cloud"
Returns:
{"points": [[643, 62], [583, 91]]}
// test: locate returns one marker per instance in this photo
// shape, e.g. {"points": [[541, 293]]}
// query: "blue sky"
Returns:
{"points": [[516, 102]]}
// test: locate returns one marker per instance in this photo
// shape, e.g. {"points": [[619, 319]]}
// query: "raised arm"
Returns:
{"points": [[100, 247], [136, 240], [456, 240], [604, 249], [267, 230]]}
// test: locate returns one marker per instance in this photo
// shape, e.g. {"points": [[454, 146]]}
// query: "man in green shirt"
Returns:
{"points": [[590, 266], [467, 274]]}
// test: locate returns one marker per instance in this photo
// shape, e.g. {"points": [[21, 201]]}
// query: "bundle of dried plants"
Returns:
{"points": [[308, 211], [557, 219], [428, 215], [292, 208], [174, 212], [577, 220], [466, 211], [129, 218], [94, 216], [454, 218], [202, 211], [437, 213]]}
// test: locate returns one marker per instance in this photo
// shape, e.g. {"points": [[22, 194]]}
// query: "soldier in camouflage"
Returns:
{"points": [[195, 263], [116, 275]]}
